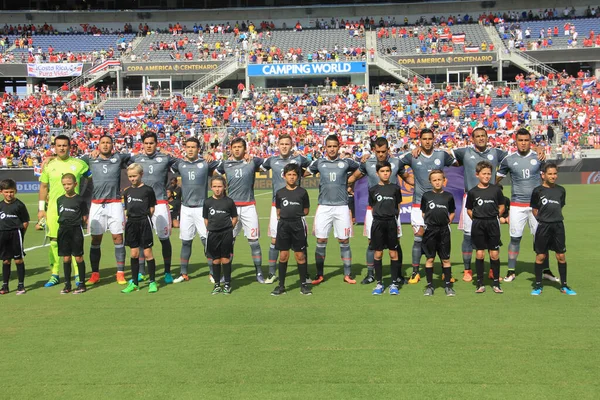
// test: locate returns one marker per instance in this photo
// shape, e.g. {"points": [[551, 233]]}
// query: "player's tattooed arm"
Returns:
{"points": [[408, 178], [541, 153]]}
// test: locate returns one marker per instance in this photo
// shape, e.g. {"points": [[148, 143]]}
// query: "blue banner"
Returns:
{"points": [[318, 68], [28, 187]]}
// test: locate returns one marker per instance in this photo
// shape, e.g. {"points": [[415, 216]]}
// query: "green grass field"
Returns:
{"points": [[340, 343]]}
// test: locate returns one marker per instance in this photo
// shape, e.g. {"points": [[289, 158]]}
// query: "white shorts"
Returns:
{"points": [[465, 222], [416, 217], [518, 217], [273, 223], [247, 219], [161, 219], [106, 217], [339, 217], [191, 223], [369, 221]]}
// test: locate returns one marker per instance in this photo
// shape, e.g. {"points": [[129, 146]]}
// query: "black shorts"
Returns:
{"points": [[291, 234], [138, 233], [485, 234], [436, 240], [219, 244], [11, 245], [70, 241], [550, 236], [384, 234]]}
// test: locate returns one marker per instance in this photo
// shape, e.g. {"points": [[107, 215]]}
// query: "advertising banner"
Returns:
{"points": [[590, 178], [318, 68], [54, 70], [447, 60], [170, 67]]}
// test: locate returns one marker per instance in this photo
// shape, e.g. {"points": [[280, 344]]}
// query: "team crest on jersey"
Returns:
{"points": [[533, 162], [73, 168], [113, 160], [437, 162], [159, 159], [201, 165], [341, 164], [490, 157], [292, 162]]}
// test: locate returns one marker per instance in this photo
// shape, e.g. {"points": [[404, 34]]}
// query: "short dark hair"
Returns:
{"points": [[424, 131], [8, 184], [481, 165], [70, 176], [193, 140], [218, 178], [480, 128], [381, 141], [523, 132], [549, 165], [106, 136], [62, 137], [291, 167], [383, 164], [285, 136], [239, 140], [332, 138], [149, 134]]}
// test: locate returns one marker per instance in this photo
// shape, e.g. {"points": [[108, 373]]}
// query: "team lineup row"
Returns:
{"points": [[336, 176]]}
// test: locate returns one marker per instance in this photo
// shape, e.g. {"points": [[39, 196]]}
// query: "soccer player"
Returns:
{"points": [[51, 188], [525, 170], [106, 210], [485, 205], [240, 178], [220, 217], [13, 224], [156, 167], [385, 199], [333, 208], [72, 215], [140, 203], [276, 164], [292, 205], [547, 202], [438, 209], [368, 168], [194, 171], [428, 160]]}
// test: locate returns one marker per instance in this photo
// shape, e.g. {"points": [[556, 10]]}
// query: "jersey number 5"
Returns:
{"points": [[105, 169]]}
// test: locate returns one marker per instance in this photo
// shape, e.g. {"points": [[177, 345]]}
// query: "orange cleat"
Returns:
{"points": [[318, 279], [121, 278], [452, 280], [491, 274], [468, 275], [349, 279], [95, 278]]}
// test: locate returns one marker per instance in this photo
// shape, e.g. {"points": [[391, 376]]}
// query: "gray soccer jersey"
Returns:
{"points": [[240, 179], [369, 169], [156, 171], [524, 175], [277, 163], [106, 176], [194, 180], [470, 156], [333, 179], [422, 166]]}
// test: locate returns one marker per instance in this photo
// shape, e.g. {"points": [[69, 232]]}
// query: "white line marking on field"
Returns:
{"points": [[45, 244]]}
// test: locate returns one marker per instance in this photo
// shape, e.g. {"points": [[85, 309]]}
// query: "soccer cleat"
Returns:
{"points": [[468, 275], [217, 289], [4, 289], [429, 290], [121, 278], [153, 287], [401, 281], [318, 279], [306, 290], [480, 289], [497, 289], [568, 290], [349, 279], [414, 278], [270, 279], [181, 278], [21, 290], [307, 279], [449, 291], [491, 274], [536, 291], [278, 291], [510, 276], [379, 289], [394, 291], [132, 287], [168, 278], [80, 289], [52, 281], [368, 279], [142, 277], [95, 278], [549, 276], [452, 280], [66, 289], [226, 289], [260, 278], [211, 279]]}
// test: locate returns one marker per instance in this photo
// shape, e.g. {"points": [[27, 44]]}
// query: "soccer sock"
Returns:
{"points": [[495, 264], [320, 252], [256, 255], [395, 270], [53, 257], [167, 252], [370, 261], [467, 251], [378, 266], [273, 255], [227, 273], [429, 273], [120, 257], [21, 273], [81, 269], [186, 253], [95, 254], [302, 271], [346, 254], [539, 272], [209, 261], [513, 252], [447, 275], [562, 271], [152, 269], [67, 272], [546, 263], [142, 259], [416, 253], [135, 270], [479, 270], [75, 270], [217, 273], [5, 273], [282, 273]]}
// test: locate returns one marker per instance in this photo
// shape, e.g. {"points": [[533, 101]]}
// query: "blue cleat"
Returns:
{"points": [[568, 290], [536, 291], [379, 289], [168, 277], [77, 282], [394, 291], [52, 281]]}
